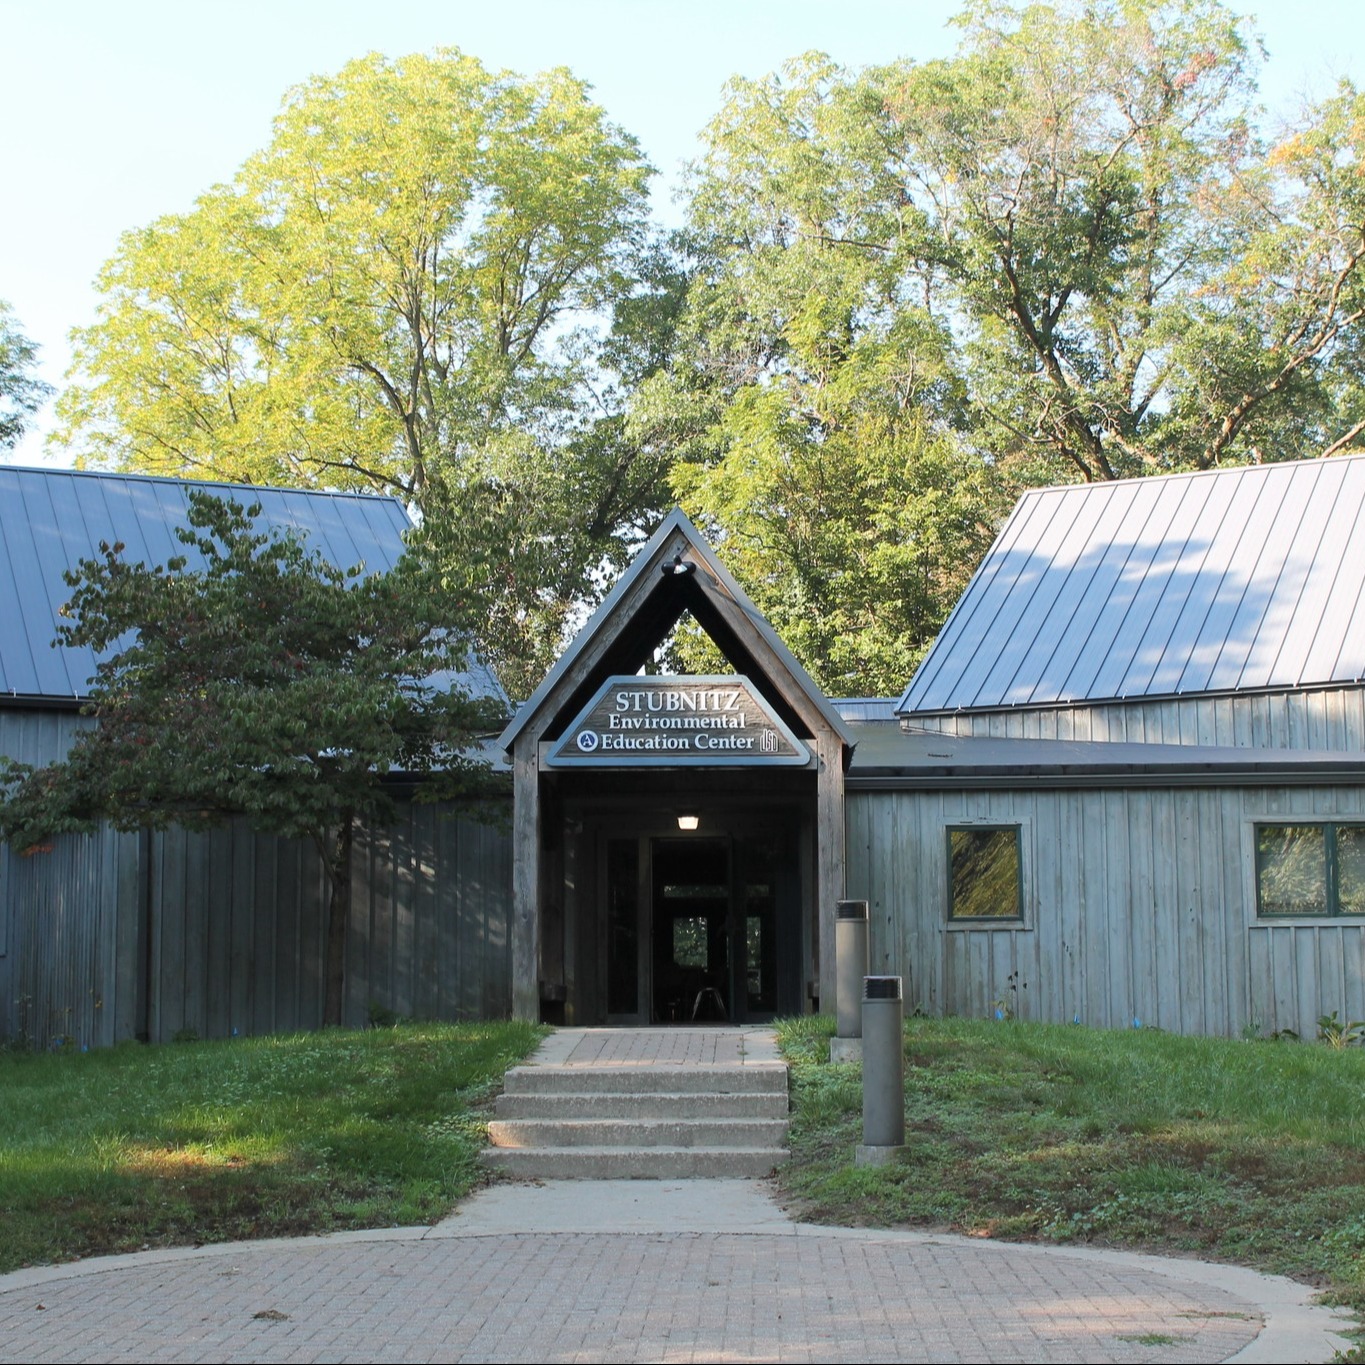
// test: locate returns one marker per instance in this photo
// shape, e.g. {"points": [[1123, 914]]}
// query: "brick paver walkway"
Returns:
{"points": [[599, 1297]]}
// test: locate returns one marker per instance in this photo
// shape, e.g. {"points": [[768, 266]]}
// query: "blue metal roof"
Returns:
{"points": [[1228, 580], [50, 519]]}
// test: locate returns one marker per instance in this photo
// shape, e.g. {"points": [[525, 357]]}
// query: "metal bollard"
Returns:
{"points": [[883, 1071], [850, 966]]}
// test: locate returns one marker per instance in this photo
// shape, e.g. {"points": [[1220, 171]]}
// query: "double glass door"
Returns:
{"points": [[693, 927]]}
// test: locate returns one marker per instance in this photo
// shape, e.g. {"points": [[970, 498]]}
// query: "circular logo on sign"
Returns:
{"points": [[587, 740]]}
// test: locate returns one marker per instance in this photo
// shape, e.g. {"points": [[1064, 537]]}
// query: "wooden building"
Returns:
{"points": [[109, 936], [1125, 788], [677, 840], [1127, 785]]}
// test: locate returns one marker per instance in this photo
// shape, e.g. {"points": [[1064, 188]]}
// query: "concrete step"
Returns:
{"points": [[615, 1163], [638, 1133], [640, 1121], [760, 1078], [607, 1105]]}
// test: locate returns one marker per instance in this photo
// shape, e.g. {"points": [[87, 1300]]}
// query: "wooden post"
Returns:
{"points": [[829, 857], [526, 879]]}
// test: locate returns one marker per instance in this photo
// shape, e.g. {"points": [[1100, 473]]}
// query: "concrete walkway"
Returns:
{"points": [[704, 1270]]}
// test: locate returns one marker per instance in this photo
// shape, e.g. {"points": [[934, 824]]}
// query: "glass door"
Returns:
{"points": [[626, 979], [691, 924]]}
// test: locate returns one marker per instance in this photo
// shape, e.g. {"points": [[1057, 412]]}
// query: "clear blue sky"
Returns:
{"points": [[118, 111]]}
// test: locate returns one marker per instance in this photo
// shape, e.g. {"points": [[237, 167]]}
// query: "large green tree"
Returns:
{"points": [[389, 286], [815, 403], [402, 291], [1139, 280], [1067, 252], [251, 677]]}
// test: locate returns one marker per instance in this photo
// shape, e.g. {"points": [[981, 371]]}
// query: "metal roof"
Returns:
{"points": [[50, 519], [858, 709], [1229, 580]]}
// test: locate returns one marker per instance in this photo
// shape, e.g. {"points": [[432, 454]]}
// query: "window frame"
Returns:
{"points": [[1331, 871], [1017, 921]]}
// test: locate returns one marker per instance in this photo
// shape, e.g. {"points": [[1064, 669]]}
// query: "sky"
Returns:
{"points": [[119, 111]]}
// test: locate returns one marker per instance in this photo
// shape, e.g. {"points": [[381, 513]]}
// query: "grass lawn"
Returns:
{"points": [[198, 1142], [1249, 1152]]}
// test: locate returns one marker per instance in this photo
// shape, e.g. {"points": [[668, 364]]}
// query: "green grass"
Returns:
{"points": [[1248, 1152], [134, 1146]]}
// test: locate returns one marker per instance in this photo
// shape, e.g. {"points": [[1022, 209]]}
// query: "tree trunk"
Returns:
{"points": [[338, 917]]}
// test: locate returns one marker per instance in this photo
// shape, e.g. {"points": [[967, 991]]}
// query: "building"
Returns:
{"points": [[1146, 719], [1126, 787], [109, 936]]}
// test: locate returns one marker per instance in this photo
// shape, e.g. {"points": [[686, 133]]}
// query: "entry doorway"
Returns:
{"points": [[701, 929]]}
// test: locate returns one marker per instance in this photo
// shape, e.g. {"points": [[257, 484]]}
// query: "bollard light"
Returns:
{"points": [[883, 1070], [850, 967]]}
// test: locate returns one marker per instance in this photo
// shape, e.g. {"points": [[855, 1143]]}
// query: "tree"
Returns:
{"points": [[263, 682], [1064, 253], [1271, 351], [1139, 283], [22, 393], [816, 407], [553, 529], [401, 291], [387, 287]]}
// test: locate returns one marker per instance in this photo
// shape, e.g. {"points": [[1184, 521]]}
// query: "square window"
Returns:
{"points": [[983, 873], [1291, 869], [1310, 870], [1350, 869]]}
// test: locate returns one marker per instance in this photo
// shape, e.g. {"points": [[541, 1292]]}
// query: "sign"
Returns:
{"points": [[710, 721]]}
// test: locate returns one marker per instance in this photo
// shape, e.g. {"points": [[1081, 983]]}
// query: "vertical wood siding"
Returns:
{"points": [[107, 936], [1140, 908], [1331, 719]]}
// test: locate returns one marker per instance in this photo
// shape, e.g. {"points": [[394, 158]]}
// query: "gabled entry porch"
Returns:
{"points": [[678, 839]]}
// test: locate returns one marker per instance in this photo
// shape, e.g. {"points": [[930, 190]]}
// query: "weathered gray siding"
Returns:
{"points": [[106, 937], [1139, 905], [1330, 719], [39, 736]]}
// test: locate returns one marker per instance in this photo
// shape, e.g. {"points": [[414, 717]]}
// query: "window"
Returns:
{"points": [[983, 873], [1310, 870]]}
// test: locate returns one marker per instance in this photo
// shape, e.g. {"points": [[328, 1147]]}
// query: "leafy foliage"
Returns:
{"points": [[815, 403], [22, 393], [376, 293], [398, 292], [1070, 251], [261, 681], [1064, 253]]}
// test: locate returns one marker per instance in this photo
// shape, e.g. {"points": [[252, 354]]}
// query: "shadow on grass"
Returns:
{"points": [[131, 1147]]}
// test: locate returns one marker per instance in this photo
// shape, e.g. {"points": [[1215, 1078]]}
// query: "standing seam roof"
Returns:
{"points": [[52, 519], [1227, 579]]}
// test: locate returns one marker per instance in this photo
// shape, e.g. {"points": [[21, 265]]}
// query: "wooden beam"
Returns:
{"points": [[829, 855], [526, 880]]}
